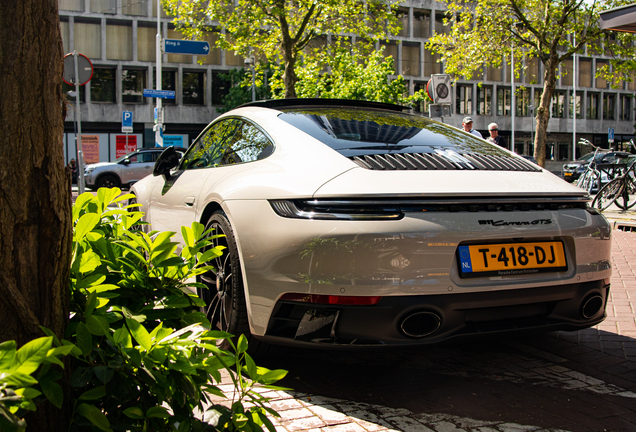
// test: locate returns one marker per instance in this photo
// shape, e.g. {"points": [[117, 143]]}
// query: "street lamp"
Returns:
{"points": [[531, 109], [249, 61]]}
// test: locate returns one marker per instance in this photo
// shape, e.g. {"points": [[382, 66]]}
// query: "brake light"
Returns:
{"points": [[330, 299]]}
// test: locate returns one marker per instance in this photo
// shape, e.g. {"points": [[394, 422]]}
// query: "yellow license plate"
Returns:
{"points": [[511, 258]]}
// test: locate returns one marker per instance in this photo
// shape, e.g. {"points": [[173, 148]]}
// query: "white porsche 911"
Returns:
{"points": [[353, 223]]}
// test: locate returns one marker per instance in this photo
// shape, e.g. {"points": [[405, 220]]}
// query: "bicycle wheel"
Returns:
{"points": [[627, 198], [588, 181], [608, 193]]}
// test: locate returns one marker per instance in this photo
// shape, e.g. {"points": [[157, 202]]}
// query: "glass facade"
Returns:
{"points": [[103, 85]]}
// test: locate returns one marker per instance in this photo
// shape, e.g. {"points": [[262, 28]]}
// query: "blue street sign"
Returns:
{"points": [[127, 122], [610, 134], [178, 46], [163, 94]]}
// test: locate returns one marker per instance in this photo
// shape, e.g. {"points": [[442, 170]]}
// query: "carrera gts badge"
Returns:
{"points": [[517, 223]]}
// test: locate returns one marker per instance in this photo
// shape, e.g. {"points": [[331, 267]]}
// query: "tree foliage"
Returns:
{"points": [[283, 31], [484, 32]]}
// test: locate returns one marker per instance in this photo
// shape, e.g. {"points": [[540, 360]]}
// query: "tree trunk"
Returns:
{"points": [[289, 76], [35, 199], [543, 111]]}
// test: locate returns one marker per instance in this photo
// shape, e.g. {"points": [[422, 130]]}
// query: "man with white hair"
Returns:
{"points": [[494, 137], [467, 124]]}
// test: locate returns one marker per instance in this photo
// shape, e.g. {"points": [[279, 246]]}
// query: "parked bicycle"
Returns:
{"points": [[621, 190], [591, 176]]}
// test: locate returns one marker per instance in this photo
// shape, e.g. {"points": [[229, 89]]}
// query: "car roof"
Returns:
{"points": [[318, 102]]}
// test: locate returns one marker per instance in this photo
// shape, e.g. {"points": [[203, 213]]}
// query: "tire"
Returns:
{"points": [[627, 199], [608, 193], [225, 296], [107, 181]]}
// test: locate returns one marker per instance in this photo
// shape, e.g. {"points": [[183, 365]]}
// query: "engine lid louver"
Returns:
{"points": [[442, 161]]}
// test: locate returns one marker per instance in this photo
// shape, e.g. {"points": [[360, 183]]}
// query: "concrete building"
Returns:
{"points": [[118, 36]]}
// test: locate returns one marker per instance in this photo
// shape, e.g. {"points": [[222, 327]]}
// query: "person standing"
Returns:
{"points": [[467, 124], [494, 137]]}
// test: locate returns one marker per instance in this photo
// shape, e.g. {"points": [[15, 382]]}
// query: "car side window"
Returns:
{"points": [[247, 144], [133, 158], [208, 150], [228, 142]]}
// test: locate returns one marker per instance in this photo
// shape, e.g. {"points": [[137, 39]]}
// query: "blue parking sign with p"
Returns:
{"points": [[127, 121]]}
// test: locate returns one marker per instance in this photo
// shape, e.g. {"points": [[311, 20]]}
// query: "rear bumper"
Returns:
{"points": [[559, 307]]}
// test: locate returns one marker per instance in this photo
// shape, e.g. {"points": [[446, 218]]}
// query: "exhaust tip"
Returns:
{"points": [[591, 306], [420, 324]]}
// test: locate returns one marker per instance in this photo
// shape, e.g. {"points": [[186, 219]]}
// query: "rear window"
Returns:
{"points": [[358, 132]]}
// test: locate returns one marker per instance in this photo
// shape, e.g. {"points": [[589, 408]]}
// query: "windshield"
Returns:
{"points": [[121, 158], [358, 132]]}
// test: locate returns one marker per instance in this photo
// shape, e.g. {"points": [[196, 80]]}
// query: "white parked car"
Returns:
{"points": [[124, 171], [353, 223]]}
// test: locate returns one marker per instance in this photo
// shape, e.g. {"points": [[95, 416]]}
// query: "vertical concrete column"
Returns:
{"points": [[134, 39], [71, 34], [104, 41], [208, 87]]}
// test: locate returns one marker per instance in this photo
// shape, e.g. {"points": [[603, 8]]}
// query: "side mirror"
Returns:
{"points": [[168, 159], [126, 161]]}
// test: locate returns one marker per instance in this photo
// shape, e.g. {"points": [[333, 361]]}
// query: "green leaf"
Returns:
{"points": [[28, 358], [97, 325], [84, 338], [103, 373], [94, 394], [134, 413], [107, 195], [94, 415], [211, 253], [140, 333], [122, 336], [89, 261], [91, 304], [157, 412], [52, 391], [251, 366], [272, 376], [241, 345], [18, 379], [84, 225], [7, 353]]}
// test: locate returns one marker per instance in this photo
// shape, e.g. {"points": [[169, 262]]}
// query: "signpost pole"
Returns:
{"points": [[80, 153], [159, 120]]}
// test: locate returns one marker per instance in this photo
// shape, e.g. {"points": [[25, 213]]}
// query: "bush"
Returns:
{"points": [[144, 357]]}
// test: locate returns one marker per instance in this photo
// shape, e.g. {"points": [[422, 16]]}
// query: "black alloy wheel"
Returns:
{"points": [[107, 181], [224, 296]]}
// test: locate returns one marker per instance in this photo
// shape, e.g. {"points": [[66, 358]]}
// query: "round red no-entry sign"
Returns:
{"points": [[84, 69]]}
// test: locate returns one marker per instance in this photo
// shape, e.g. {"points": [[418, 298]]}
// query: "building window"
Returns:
{"points": [[146, 42], [193, 88], [592, 106], [168, 82], [104, 6], [421, 23], [503, 101], [625, 107], [403, 19], [71, 5], [232, 59], [522, 102], [440, 28], [531, 74], [214, 56], [601, 83], [575, 104], [133, 83], [558, 104], [431, 64], [390, 50], [609, 100], [88, 38], [464, 99], [118, 40], [422, 106], [134, 7], [484, 100], [220, 87], [411, 59], [585, 73], [103, 87]]}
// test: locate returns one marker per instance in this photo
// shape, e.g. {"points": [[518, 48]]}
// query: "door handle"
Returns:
{"points": [[189, 201]]}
